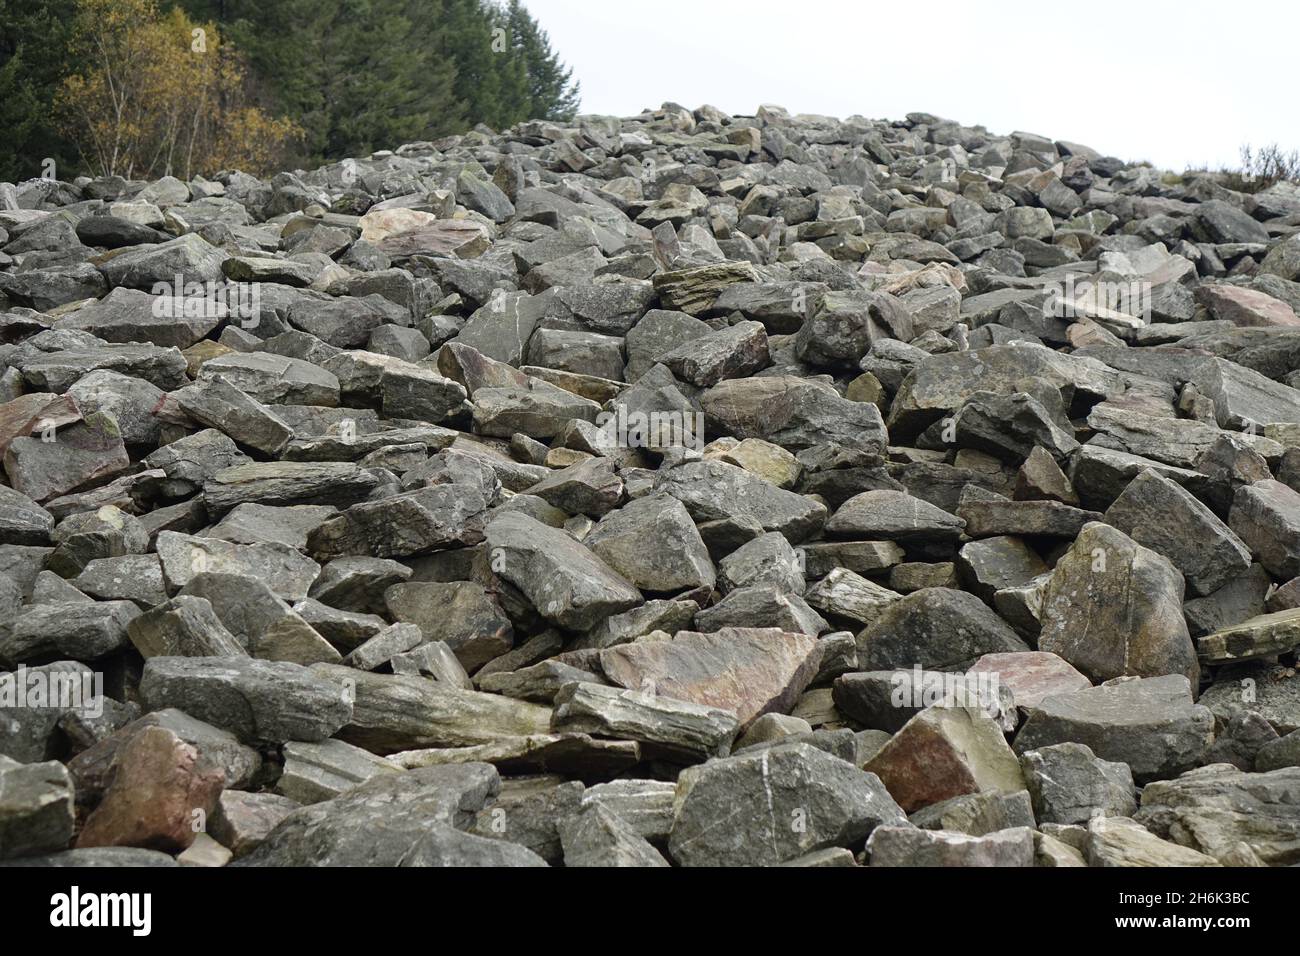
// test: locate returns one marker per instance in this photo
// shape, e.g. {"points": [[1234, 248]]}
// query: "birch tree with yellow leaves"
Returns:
{"points": [[162, 95]]}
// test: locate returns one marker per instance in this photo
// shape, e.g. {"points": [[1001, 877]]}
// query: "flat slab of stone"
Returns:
{"points": [[571, 754], [748, 671], [323, 770], [1238, 818], [1264, 636], [1149, 723], [908, 846], [1031, 675], [259, 701], [673, 729], [393, 712], [1118, 841]]}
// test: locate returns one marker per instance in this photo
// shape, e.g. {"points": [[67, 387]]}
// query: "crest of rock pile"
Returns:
{"points": [[685, 489]]}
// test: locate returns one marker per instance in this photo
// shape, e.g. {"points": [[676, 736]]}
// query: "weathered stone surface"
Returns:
{"points": [[1114, 609], [943, 383], [141, 267], [597, 836], [433, 659], [945, 752], [565, 581], [860, 557], [84, 453], [887, 700], [694, 290], [1119, 841], [977, 814], [935, 628], [242, 820], [36, 808], [263, 623], [67, 629], [218, 749], [322, 771], [1068, 784], [382, 822], [995, 516], [259, 701], [32, 708], [647, 806], [587, 487], [129, 315], [737, 811], [907, 846], [580, 755], [339, 484], [994, 564], [735, 352], [185, 626], [844, 594], [218, 404], [654, 544], [1159, 514], [1278, 753], [748, 671], [394, 712], [447, 846], [1263, 636], [1031, 675], [767, 559], [286, 572], [459, 613], [133, 577], [159, 791], [1259, 687], [794, 413], [893, 516], [1151, 724], [713, 490], [1217, 809], [674, 729], [95, 857], [527, 812], [412, 523], [594, 410], [1266, 515], [762, 604], [384, 646], [842, 326]]}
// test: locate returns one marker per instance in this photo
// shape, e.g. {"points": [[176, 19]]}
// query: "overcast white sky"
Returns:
{"points": [[1176, 83]]}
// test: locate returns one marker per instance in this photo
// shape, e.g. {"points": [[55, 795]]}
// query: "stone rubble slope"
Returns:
{"points": [[682, 489]]}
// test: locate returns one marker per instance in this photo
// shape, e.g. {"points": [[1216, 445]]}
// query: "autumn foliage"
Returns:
{"points": [[162, 95]]}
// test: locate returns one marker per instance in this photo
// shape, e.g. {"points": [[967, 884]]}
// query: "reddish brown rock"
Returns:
{"points": [[160, 797], [34, 412], [946, 752], [749, 671], [1032, 675], [1245, 307]]}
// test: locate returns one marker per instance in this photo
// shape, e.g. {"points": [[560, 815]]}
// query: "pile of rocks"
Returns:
{"points": [[682, 489]]}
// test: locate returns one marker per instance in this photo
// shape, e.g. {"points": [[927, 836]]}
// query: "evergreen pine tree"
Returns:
{"points": [[34, 58], [552, 93], [467, 40]]}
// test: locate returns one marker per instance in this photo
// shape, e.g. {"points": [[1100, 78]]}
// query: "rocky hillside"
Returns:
{"points": [[683, 489]]}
